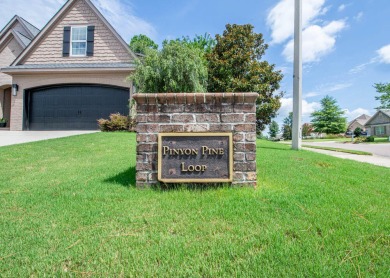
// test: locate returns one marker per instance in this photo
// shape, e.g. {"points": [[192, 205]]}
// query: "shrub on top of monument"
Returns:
{"points": [[175, 68]]}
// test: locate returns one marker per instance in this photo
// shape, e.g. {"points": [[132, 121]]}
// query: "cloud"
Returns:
{"points": [[311, 94], [317, 41], [122, 17], [338, 87], [341, 7], [281, 17], [384, 54], [120, 14], [359, 16], [351, 115], [307, 108], [37, 14]]}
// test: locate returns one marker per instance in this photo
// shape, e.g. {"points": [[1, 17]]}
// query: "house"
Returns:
{"points": [[73, 72], [358, 122], [14, 38], [379, 124]]}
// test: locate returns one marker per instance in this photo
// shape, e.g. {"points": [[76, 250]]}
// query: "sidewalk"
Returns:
{"points": [[18, 137], [374, 159]]}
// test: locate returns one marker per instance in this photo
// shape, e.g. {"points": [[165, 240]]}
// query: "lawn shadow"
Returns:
{"points": [[126, 178]]}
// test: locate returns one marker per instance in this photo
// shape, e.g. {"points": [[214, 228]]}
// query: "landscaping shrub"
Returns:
{"points": [[357, 132], [370, 139], [358, 140], [333, 136], [117, 122]]}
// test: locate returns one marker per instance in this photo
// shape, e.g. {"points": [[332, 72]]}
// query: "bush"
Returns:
{"points": [[358, 140], [370, 139], [333, 136], [117, 122], [357, 132]]}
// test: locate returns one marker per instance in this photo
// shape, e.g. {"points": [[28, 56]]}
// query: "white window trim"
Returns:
{"points": [[72, 41]]}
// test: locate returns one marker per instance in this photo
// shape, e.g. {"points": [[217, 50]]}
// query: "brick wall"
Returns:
{"points": [[197, 112]]}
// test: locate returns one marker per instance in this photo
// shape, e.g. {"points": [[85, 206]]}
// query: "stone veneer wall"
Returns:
{"points": [[197, 112]]}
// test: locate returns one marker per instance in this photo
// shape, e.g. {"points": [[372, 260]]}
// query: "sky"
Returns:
{"points": [[346, 43]]}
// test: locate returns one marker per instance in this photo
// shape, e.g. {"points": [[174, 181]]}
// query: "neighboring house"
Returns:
{"points": [[14, 37], [72, 73], [358, 122], [379, 124]]}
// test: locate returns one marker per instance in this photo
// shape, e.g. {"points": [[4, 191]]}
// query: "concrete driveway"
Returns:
{"points": [[18, 137], [381, 152]]}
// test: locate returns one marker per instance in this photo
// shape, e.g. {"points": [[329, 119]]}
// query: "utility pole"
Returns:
{"points": [[297, 93]]}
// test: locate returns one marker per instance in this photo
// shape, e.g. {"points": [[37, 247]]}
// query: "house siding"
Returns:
{"points": [[7, 55], [37, 80], [107, 48], [381, 118]]}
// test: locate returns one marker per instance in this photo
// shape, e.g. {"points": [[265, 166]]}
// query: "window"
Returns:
{"points": [[78, 41], [379, 130]]}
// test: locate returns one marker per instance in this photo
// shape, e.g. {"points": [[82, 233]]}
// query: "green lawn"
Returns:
{"points": [[68, 207]]}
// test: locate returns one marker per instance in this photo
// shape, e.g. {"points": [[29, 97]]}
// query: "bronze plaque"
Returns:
{"points": [[195, 157]]}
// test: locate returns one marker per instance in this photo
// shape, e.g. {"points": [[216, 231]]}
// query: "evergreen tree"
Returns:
{"points": [[273, 129], [384, 98], [329, 119], [235, 65], [140, 44], [287, 127]]}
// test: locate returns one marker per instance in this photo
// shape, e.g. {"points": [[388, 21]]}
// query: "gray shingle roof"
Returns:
{"points": [[385, 111], [73, 66], [34, 30], [26, 41]]}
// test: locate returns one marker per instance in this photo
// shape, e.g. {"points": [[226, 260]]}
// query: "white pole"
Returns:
{"points": [[297, 94]]}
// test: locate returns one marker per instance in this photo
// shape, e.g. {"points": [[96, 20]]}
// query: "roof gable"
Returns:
{"points": [[20, 25], [380, 117], [47, 45]]}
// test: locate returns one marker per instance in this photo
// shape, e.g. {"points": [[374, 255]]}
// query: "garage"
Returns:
{"points": [[73, 107]]}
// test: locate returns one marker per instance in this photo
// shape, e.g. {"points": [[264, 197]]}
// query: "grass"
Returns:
{"points": [[380, 140], [337, 150], [69, 208]]}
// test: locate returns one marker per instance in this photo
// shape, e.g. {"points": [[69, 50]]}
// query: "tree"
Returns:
{"points": [[329, 119], [384, 98], [307, 129], [234, 65], [357, 132], [205, 43], [176, 68], [273, 129], [140, 44], [287, 127]]}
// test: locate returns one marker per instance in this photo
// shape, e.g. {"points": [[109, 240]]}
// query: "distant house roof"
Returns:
{"points": [[34, 30], [25, 40], [362, 120], [31, 30], [386, 112], [23, 36]]}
